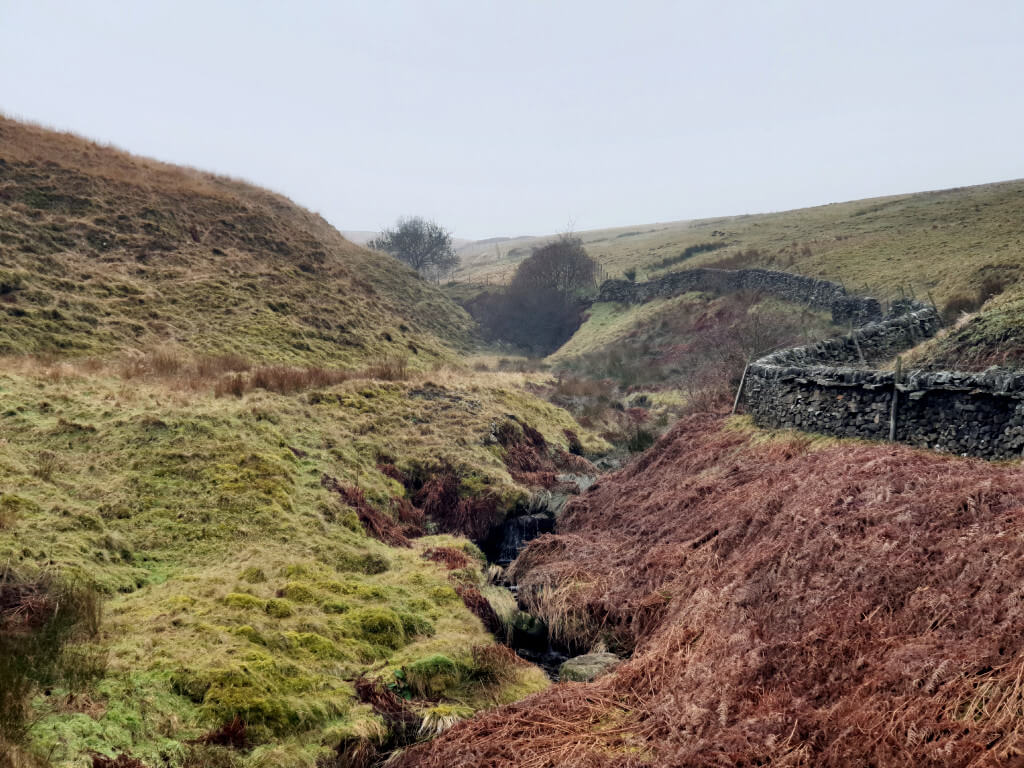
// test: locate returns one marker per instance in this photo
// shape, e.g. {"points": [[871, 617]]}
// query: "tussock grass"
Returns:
{"points": [[44, 623], [103, 251], [204, 522]]}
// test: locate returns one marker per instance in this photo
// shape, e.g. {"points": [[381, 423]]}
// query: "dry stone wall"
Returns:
{"points": [[819, 294], [830, 389]]}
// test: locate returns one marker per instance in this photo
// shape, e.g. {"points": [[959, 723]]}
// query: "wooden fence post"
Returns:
{"points": [[739, 390], [936, 308], [853, 337]]}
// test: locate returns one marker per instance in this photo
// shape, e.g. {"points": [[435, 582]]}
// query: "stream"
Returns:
{"points": [[529, 637]]}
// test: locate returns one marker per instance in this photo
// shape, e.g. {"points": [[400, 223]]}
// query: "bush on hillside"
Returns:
{"points": [[545, 302], [687, 253], [990, 287], [956, 305]]}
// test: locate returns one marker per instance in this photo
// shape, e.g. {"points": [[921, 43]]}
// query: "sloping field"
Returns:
{"points": [[102, 251], [237, 582], [227, 433], [961, 248], [609, 323], [786, 601], [944, 242], [993, 336]]}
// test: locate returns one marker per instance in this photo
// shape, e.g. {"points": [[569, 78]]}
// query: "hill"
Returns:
{"points": [[783, 600], [960, 248], [101, 251], [241, 461], [944, 241]]}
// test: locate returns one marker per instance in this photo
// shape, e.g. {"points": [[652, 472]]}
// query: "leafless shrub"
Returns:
{"points": [[235, 385], [165, 361], [991, 286], [47, 462], [282, 379], [211, 366]]}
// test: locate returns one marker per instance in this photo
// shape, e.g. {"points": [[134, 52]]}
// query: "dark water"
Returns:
{"points": [[520, 531], [549, 660], [530, 638], [530, 641]]}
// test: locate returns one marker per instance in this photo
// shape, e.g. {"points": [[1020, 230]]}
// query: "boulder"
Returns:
{"points": [[588, 667]]}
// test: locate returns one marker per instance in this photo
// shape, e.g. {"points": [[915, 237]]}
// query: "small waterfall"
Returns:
{"points": [[518, 532], [528, 636]]}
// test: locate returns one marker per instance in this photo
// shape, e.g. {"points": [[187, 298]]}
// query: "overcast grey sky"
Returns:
{"points": [[506, 118]]}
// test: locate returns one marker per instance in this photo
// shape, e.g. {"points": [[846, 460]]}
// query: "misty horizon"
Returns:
{"points": [[501, 121]]}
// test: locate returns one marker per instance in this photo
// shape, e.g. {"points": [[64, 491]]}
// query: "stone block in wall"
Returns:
{"points": [[855, 310]]}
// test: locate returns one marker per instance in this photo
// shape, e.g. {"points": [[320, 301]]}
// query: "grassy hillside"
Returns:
{"points": [[945, 241], [250, 438], [959, 247], [632, 369], [237, 583], [101, 251]]}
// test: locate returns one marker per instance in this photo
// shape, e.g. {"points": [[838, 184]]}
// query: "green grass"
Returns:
{"points": [[236, 584], [608, 323], [944, 241], [992, 336], [932, 245]]}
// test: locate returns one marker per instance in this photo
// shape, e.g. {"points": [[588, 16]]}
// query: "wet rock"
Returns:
{"points": [[580, 483], [588, 667]]}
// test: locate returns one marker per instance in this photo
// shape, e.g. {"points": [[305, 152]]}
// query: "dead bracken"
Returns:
{"points": [[788, 602]]}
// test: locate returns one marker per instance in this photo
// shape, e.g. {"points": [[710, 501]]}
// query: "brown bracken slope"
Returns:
{"points": [[792, 602]]}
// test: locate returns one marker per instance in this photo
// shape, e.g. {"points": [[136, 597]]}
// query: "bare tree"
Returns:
{"points": [[543, 304], [424, 245]]}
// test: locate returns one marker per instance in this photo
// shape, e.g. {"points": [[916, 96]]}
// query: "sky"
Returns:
{"points": [[531, 117]]}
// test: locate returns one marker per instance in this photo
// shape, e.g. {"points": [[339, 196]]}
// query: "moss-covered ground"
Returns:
{"points": [[236, 584]]}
